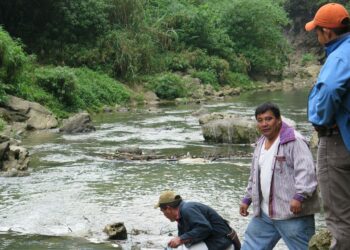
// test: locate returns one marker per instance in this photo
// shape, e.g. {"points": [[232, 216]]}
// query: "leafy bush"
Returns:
{"points": [[91, 89], [167, 86], [95, 89], [207, 77], [126, 13], [307, 58], [239, 80], [12, 59], [2, 124], [200, 61], [2, 92], [30, 91], [256, 28], [123, 54], [59, 82], [177, 62]]}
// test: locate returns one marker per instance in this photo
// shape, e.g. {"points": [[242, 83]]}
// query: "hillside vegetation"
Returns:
{"points": [[83, 54]]}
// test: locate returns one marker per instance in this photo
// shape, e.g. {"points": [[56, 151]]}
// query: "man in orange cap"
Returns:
{"points": [[329, 112]]}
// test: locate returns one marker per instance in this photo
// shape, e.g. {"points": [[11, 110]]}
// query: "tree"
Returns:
{"points": [[255, 26]]}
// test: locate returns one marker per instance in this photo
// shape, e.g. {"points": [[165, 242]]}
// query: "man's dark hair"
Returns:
{"points": [[340, 31], [266, 107]]}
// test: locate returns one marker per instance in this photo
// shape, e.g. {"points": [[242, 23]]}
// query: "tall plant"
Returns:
{"points": [[12, 60], [255, 26]]}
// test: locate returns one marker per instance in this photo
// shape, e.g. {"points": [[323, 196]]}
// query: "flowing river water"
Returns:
{"points": [[73, 190]]}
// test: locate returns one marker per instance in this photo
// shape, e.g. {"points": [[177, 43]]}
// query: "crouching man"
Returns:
{"points": [[199, 226]]}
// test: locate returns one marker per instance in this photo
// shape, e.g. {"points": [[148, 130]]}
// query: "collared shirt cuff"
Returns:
{"points": [[299, 197], [247, 201]]}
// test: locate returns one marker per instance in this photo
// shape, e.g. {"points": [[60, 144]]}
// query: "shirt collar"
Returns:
{"points": [[332, 45], [178, 217]]}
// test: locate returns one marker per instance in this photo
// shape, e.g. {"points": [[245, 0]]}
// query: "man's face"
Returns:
{"points": [[169, 213], [325, 35], [268, 124], [321, 36]]}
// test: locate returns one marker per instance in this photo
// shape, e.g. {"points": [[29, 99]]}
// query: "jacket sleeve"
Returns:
{"points": [[331, 87], [304, 170], [248, 194], [199, 227]]}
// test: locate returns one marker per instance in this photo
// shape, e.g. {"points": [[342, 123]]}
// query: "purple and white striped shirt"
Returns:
{"points": [[293, 177]]}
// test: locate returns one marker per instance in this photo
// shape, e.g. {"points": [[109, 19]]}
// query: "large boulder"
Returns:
{"points": [[151, 98], [79, 123], [227, 128], [34, 115], [14, 159]]}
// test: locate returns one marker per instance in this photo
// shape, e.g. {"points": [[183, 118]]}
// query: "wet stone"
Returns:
{"points": [[116, 231]]}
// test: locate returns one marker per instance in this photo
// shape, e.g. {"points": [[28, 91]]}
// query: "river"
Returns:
{"points": [[73, 191]]}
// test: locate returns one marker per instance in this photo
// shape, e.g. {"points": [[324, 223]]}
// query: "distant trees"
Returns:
{"points": [[127, 38], [256, 27], [220, 42]]}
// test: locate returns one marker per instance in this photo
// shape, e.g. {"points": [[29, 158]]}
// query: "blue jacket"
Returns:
{"points": [[329, 99], [198, 222]]}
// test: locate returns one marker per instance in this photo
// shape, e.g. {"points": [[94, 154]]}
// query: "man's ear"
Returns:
{"points": [[327, 31], [329, 34]]}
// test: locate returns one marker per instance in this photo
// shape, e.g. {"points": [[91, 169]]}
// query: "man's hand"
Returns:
{"points": [[175, 242], [295, 206], [243, 209]]}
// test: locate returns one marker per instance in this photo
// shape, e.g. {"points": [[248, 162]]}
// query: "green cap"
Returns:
{"points": [[167, 198]]}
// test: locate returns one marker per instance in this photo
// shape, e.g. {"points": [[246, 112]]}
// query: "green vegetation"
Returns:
{"points": [[307, 58], [83, 49], [2, 124], [167, 86], [258, 37], [65, 89], [62, 89], [12, 60], [207, 77]]}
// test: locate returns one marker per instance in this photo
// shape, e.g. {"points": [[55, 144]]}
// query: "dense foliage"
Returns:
{"points": [[12, 60], [60, 88], [69, 89], [257, 32], [128, 38], [220, 42]]}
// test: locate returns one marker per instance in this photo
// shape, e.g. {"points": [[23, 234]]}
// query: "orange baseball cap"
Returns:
{"points": [[329, 16]]}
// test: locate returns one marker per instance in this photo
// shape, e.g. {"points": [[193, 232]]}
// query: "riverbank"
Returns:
{"points": [[23, 116], [295, 76]]}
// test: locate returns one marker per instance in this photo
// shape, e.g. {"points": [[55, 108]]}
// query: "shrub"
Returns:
{"points": [[2, 124], [12, 59], [307, 58], [32, 92], [200, 61], [96, 89], [262, 44], [91, 89], [239, 80], [167, 86], [59, 82], [177, 62], [2, 92], [207, 77], [126, 54]]}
